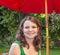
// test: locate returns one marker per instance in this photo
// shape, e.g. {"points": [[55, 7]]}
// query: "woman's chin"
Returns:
{"points": [[30, 37]]}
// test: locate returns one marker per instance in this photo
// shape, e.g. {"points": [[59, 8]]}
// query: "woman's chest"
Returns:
{"points": [[30, 51]]}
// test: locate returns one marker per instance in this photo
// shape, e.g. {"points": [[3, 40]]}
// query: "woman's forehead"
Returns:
{"points": [[29, 22]]}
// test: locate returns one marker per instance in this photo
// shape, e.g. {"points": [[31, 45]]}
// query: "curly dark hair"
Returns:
{"points": [[21, 38]]}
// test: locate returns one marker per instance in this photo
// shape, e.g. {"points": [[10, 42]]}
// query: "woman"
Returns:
{"points": [[28, 38]]}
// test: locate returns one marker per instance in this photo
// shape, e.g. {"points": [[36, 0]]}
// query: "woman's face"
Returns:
{"points": [[30, 29]]}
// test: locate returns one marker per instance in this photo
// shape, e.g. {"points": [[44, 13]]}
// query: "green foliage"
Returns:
{"points": [[54, 26], [9, 21]]}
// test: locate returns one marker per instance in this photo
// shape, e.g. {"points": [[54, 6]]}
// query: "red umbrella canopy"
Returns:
{"points": [[31, 6], [36, 6], [12, 4], [56, 6]]}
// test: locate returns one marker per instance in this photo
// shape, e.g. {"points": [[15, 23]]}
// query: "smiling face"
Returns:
{"points": [[30, 29]]}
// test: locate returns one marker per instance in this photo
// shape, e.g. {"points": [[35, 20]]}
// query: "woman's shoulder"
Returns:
{"points": [[14, 49], [14, 45]]}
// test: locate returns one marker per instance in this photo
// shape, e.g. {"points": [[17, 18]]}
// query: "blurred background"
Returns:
{"points": [[9, 21]]}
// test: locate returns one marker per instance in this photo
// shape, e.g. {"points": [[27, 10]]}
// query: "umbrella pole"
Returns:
{"points": [[47, 38]]}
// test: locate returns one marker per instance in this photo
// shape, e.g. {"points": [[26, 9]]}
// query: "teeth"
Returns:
{"points": [[31, 33]]}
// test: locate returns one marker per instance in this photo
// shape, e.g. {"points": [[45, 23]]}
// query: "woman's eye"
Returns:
{"points": [[27, 27], [34, 27]]}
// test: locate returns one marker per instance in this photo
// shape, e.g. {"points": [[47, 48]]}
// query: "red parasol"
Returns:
{"points": [[12, 4], [31, 6], [56, 5], [34, 6]]}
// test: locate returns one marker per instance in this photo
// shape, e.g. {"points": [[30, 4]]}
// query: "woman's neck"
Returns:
{"points": [[29, 41]]}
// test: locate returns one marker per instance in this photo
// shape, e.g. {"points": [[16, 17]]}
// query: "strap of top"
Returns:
{"points": [[21, 48], [39, 53]]}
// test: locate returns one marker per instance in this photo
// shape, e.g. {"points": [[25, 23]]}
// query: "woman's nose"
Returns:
{"points": [[30, 29]]}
